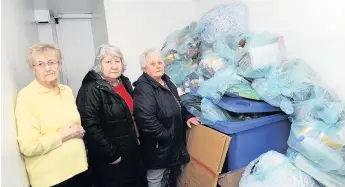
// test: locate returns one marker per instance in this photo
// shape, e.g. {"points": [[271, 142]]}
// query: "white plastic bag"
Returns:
{"points": [[273, 169], [327, 179]]}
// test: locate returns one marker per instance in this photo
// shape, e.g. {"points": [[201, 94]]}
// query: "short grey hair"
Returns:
{"points": [[100, 53], [41, 48], [143, 56]]}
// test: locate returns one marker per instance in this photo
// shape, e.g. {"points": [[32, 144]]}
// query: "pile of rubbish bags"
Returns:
{"points": [[275, 169], [218, 56]]}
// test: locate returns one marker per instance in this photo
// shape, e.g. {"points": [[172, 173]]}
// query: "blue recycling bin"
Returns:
{"points": [[251, 138]]}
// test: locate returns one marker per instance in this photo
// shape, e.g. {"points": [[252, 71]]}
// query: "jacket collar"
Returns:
{"points": [[105, 84], [156, 84], [123, 79], [42, 89]]}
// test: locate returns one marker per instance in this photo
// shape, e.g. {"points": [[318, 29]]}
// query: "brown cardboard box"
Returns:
{"points": [[207, 149], [194, 175], [231, 179]]}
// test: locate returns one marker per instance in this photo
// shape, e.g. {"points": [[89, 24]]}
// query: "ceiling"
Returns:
{"points": [[66, 6]]}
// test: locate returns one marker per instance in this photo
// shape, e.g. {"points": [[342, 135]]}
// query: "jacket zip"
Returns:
{"points": [[111, 91], [178, 103]]}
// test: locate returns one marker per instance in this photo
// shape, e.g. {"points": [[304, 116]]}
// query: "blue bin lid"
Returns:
{"points": [[233, 127], [241, 105]]}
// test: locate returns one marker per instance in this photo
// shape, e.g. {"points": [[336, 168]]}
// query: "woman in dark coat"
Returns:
{"points": [[162, 121], [105, 105]]}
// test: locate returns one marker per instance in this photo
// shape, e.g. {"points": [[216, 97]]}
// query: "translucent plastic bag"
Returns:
{"points": [[181, 44], [177, 36], [189, 101], [321, 143], [242, 89], [327, 179], [210, 64], [227, 45], [205, 48], [179, 70], [226, 81], [223, 19], [270, 91], [215, 87], [259, 54], [212, 113], [323, 104], [287, 83], [273, 169], [193, 81]]}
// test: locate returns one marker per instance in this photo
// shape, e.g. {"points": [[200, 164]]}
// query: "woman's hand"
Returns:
{"points": [[74, 131], [193, 121], [79, 130]]}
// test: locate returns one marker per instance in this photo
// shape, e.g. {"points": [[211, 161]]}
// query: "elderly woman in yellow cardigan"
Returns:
{"points": [[48, 125]]}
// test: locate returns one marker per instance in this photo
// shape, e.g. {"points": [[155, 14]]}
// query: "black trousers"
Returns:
{"points": [[130, 172], [80, 180]]}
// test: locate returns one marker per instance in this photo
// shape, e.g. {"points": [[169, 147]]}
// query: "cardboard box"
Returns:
{"points": [[231, 179], [207, 149], [194, 175]]}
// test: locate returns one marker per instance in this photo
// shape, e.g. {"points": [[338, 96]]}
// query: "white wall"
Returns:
{"points": [[77, 47], [135, 26], [47, 32], [74, 37], [99, 25], [18, 32]]}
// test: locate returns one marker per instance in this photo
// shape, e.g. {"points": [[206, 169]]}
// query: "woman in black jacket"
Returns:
{"points": [[161, 120], [105, 105]]}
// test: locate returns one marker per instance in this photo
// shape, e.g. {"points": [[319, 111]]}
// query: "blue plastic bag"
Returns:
{"points": [[273, 169], [286, 84], [270, 91], [323, 104], [181, 44], [189, 101], [228, 45], [259, 54], [215, 87], [193, 81], [212, 113], [210, 63], [179, 70], [226, 81], [321, 143], [324, 178], [223, 19]]}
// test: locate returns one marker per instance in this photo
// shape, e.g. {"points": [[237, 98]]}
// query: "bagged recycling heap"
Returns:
{"points": [[327, 179], [274, 169], [218, 56]]}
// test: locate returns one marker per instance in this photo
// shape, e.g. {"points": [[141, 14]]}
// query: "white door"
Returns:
{"points": [[76, 43]]}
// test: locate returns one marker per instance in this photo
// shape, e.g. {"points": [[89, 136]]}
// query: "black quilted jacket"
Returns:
{"points": [[161, 121], [110, 133]]}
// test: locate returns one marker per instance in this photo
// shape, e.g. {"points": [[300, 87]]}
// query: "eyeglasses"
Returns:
{"points": [[51, 64]]}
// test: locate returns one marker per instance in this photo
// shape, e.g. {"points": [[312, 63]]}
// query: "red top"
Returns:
{"points": [[121, 90]]}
